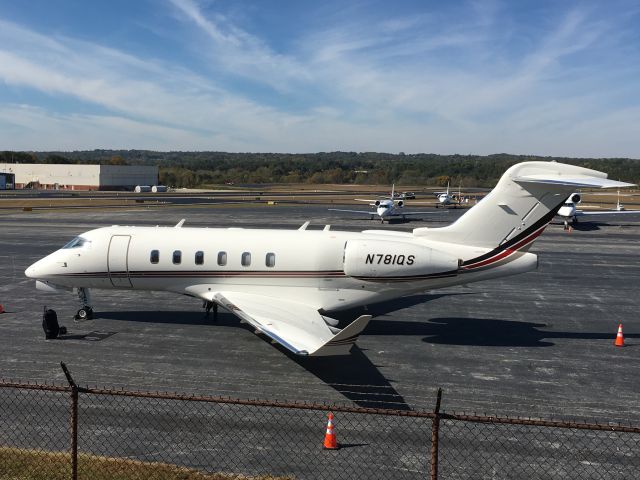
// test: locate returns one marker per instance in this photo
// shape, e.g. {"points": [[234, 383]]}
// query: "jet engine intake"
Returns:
{"points": [[392, 260], [400, 203], [575, 198]]}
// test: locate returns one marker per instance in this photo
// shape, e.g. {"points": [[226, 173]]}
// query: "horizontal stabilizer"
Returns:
{"points": [[514, 213], [579, 182]]}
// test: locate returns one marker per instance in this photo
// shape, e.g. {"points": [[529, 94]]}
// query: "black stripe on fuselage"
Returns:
{"points": [[207, 274], [408, 278]]}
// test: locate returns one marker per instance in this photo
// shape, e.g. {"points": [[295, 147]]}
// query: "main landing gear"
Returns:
{"points": [[574, 220], [84, 299], [208, 305]]}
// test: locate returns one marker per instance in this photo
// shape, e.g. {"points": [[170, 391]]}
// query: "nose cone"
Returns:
{"points": [[35, 270]]}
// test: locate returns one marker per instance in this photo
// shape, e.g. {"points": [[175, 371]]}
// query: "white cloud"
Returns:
{"points": [[241, 53], [393, 83]]}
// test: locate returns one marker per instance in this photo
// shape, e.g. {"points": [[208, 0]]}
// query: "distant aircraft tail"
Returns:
{"points": [[517, 210]]}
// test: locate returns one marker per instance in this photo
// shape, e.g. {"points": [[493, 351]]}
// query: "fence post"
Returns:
{"points": [[435, 429], [74, 421]]}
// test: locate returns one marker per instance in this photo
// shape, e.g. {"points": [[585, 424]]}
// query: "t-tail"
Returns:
{"points": [[521, 205]]}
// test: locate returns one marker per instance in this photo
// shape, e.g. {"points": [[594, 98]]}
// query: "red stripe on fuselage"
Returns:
{"points": [[507, 251]]}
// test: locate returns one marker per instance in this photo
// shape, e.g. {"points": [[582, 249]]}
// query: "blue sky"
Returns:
{"points": [[540, 77]]}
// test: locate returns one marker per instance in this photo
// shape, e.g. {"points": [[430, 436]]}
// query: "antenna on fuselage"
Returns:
{"points": [[304, 225]]}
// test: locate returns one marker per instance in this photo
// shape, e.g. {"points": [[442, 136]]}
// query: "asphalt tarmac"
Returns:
{"points": [[535, 345]]}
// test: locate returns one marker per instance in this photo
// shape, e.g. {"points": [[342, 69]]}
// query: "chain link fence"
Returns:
{"points": [[51, 432]]}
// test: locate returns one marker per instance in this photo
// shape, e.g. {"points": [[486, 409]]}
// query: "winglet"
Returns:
{"points": [[341, 343]]}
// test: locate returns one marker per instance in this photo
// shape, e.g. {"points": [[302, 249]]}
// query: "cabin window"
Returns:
{"points": [[155, 256], [222, 258], [270, 261], [177, 257], [246, 259], [199, 258]]}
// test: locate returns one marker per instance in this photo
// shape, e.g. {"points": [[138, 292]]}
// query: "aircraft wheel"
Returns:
{"points": [[85, 313]]}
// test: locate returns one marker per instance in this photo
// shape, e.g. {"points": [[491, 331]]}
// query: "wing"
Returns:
{"points": [[580, 213], [365, 212], [406, 214], [296, 326]]}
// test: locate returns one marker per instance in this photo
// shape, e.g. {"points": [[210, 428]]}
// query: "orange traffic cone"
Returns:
{"points": [[330, 441], [619, 337]]}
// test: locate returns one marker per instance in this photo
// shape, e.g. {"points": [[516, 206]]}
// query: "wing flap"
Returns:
{"points": [[298, 327]]}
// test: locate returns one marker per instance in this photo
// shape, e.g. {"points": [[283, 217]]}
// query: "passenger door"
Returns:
{"points": [[117, 261]]}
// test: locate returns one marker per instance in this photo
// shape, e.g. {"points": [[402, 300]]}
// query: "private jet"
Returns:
{"points": [[569, 211], [446, 199], [385, 209], [286, 283]]}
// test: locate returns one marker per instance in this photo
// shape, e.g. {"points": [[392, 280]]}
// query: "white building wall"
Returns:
{"points": [[81, 177]]}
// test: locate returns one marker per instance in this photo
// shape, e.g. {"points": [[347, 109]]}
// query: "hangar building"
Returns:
{"points": [[80, 177]]}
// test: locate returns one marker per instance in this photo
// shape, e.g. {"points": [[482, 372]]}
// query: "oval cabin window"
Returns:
{"points": [[270, 261]]}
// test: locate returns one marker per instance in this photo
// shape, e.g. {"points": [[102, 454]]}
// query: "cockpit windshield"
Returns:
{"points": [[77, 243]]}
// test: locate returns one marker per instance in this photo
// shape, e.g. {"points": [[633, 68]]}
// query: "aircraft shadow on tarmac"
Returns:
{"points": [[587, 226], [356, 377]]}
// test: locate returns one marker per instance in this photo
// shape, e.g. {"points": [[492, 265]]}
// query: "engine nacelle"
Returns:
{"points": [[400, 203], [377, 203], [384, 259], [575, 198]]}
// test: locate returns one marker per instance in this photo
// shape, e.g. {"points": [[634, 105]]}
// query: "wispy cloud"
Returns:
{"points": [[470, 77], [241, 53]]}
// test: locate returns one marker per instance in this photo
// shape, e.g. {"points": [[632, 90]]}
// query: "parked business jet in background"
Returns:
{"points": [[284, 282], [569, 211], [446, 199], [385, 209]]}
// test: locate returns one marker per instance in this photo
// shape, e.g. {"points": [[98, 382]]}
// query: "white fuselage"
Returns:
{"points": [[305, 265], [388, 208], [568, 211]]}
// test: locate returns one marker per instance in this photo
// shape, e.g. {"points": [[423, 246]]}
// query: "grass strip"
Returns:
{"points": [[25, 464]]}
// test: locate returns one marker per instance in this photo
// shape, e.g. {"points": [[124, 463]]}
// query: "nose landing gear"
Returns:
{"points": [[85, 313], [84, 299]]}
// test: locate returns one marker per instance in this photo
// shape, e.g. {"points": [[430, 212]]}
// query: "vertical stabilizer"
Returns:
{"points": [[524, 201]]}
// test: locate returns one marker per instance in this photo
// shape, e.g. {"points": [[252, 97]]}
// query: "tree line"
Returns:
{"points": [[201, 169]]}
